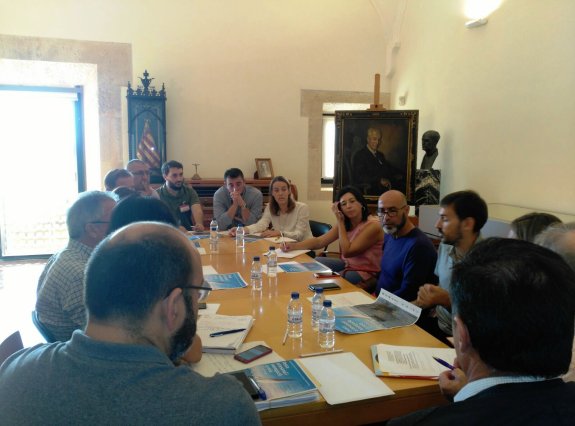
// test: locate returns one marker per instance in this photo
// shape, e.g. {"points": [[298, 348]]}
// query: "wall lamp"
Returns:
{"points": [[474, 23], [478, 11]]}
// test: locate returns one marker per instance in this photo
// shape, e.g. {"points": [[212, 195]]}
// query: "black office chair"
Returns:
{"points": [[10, 345], [318, 229], [42, 328]]}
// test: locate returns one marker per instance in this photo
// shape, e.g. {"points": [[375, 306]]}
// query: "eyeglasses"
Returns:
{"points": [[204, 289], [390, 212]]}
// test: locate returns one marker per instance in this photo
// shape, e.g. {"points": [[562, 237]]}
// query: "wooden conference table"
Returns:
{"points": [[268, 307]]}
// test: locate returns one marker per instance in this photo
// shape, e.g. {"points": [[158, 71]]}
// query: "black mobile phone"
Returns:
{"points": [[252, 354], [326, 285]]}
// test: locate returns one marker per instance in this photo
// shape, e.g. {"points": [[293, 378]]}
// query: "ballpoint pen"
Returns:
{"points": [[283, 241], [444, 363], [260, 391], [223, 333], [285, 337]]}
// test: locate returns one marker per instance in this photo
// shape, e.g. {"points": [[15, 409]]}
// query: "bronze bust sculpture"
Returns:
{"points": [[429, 142]]}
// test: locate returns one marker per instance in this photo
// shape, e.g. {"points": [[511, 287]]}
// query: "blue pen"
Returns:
{"points": [[260, 391], [444, 363]]}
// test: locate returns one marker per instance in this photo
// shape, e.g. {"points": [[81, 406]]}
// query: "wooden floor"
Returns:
{"points": [[18, 282]]}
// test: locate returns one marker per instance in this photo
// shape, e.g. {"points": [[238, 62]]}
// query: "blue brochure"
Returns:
{"points": [[225, 281], [388, 311]]}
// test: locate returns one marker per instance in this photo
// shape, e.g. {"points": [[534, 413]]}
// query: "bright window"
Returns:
{"points": [[38, 169], [328, 145]]}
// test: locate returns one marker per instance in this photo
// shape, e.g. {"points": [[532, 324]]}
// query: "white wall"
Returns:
{"points": [[502, 96], [233, 69]]}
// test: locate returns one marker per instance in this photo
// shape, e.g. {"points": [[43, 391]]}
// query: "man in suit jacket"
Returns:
{"points": [[513, 322]]}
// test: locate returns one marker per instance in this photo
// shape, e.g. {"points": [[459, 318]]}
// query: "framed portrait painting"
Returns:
{"points": [[376, 151]]}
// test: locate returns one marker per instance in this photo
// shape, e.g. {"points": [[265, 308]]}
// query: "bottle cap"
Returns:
{"points": [[256, 258], [272, 248], [294, 295], [327, 303], [319, 290]]}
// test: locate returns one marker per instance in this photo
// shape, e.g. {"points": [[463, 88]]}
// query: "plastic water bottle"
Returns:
{"points": [[256, 274], [214, 235], [240, 234], [327, 326], [316, 307], [214, 231], [272, 263], [295, 316]]}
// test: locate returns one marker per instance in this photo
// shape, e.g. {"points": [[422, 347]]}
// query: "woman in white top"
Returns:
{"points": [[287, 217]]}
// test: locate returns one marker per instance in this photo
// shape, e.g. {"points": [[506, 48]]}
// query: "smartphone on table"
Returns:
{"points": [[326, 285], [252, 354], [326, 274]]}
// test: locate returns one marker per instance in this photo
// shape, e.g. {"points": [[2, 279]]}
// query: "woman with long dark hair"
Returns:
{"points": [[360, 238]]}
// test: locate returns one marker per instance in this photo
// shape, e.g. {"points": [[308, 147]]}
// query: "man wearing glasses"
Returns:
{"points": [[408, 257], [141, 173], [60, 302], [120, 369]]}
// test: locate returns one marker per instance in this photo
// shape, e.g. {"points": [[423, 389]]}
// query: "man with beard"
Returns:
{"points": [[462, 214], [409, 257], [182, 200], [142, 289]]}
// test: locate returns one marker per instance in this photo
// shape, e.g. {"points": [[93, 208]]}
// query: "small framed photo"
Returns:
{"points": [[264, 168]]}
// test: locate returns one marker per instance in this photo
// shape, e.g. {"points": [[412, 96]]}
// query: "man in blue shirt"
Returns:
{"points": [[408, 257], [236, 203]]}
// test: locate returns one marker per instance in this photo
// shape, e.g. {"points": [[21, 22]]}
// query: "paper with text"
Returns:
{"points": [[410, 361]]}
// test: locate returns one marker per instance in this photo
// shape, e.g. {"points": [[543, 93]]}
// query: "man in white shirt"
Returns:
{"points": [[513, 323]]}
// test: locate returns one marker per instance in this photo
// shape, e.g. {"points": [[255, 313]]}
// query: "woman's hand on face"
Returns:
{"points": [[337, 212]]}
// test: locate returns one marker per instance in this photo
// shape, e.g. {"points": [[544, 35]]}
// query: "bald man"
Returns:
{"points": [[409, 258], [141, 293]]}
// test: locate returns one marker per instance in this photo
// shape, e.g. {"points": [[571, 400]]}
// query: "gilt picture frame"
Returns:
{"points": [[376, 151]]}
